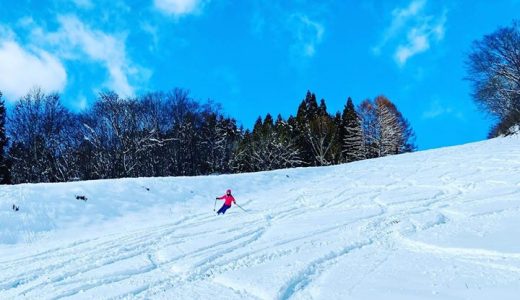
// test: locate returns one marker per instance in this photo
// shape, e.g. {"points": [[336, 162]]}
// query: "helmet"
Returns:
{"points": [[228, 191]]}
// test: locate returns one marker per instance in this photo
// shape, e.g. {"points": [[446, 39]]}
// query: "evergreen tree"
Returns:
{"points": [[317, 133], [271, 146], [337, 151], [267, 126], [352, 139], [169, 134], [307, 111], [258, 129], [322, 109], [229, 136], [287, 148], [321, 135], [312, 105], [242, 157], [5, 175]]}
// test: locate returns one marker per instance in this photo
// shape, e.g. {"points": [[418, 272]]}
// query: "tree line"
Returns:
{"points": [[315, 137], [171, 134]]}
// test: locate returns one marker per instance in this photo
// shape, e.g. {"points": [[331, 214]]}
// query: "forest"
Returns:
{"points": [[172, 134]]}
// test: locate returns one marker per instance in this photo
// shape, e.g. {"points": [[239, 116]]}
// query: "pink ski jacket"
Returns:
{"points": [[227, 199]]}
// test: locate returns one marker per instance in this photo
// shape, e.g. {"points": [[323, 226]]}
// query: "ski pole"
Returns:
{"points": [[241, 207], [215, 206]]}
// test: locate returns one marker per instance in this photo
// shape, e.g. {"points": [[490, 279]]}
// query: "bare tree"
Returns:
{"points": [[370, 128], [390, 130], [386, 131], [493, 67], [121, 134], [44, 139]]}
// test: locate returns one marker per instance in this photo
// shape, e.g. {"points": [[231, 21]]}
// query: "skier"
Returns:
{"points": [[228, 198]]}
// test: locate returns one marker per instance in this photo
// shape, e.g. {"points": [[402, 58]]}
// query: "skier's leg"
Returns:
{"points": [[221, 210], [225, 207]]}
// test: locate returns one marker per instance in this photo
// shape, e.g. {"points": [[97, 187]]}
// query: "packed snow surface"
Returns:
{"points": [[440, 224]]}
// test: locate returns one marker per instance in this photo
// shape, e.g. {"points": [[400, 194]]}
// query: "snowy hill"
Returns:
{"points": [[440, 224]]}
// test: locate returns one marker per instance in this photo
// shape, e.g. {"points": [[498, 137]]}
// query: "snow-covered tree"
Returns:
{"points": [[390, 130], [169, 134], [385, 130], [218, 140], [284, 143], [5, 176], [321, 137], [353, 145], [270, 146], [316, 132], [242, 157], [119, 136], [43, 135]]}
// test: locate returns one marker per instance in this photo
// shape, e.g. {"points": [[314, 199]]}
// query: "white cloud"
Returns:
{"points": [[178, 8], [21, 70], [153, 32], [438, 109], [417, 42], [76, 41], [419, 39], [85, 4], [412, 31], [307, 34], [400, 16], [297, 25], [435, 110]]}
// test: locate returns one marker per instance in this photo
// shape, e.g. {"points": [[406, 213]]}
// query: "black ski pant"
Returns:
{"points": [[223, 209]]}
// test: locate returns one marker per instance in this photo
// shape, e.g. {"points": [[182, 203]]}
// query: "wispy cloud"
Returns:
{"points": [[84, 4], [22, 68], [75, 40], [400, 17], [438, 109], [307, 34], [153, 32], [179, 8], [300, 25], [412, 31]]}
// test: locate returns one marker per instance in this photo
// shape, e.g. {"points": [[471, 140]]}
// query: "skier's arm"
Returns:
{"points": [[220, 198]]}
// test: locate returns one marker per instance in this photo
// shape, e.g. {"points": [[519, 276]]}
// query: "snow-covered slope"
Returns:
{"points": [[441, 224]]}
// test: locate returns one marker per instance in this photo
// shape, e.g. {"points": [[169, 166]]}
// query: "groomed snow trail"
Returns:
{"points": [[440, 224]]}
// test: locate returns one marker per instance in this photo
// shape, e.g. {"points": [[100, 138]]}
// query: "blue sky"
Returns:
{"points": [[256, 56]]}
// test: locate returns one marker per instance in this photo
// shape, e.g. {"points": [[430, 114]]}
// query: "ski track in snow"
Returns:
{"points": [[339, 232]]}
